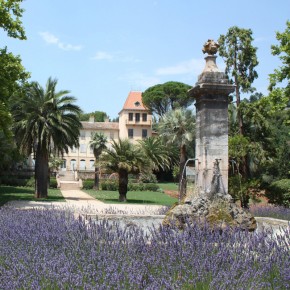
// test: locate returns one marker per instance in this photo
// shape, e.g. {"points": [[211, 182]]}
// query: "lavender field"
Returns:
{"points": [[50, 249]]}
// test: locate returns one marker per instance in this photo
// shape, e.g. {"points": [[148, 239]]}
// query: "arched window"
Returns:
{"points": [[82, 164]]}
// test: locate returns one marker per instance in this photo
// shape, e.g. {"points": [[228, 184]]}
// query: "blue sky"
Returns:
{"points": [[100, 50]]}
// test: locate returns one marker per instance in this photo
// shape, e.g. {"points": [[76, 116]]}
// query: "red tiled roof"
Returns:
{"points": [[100, 125], [134, 102]]}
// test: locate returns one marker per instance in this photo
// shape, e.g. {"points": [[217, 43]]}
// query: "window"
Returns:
{"points": [[83, 135], [82, 164], [130, 116], [144, 133], [144, 117], [137, 117], [73, 164], [92, 164], [130, 133], [137, 104], [83, 148], [63, 164]]}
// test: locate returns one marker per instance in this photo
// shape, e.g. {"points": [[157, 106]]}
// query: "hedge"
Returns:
{"points": [[278, 192]]}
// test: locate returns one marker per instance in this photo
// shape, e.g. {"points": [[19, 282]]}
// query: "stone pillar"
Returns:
{"points": [[211, 94]]}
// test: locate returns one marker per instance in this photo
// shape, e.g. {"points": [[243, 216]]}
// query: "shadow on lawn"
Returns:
{"points": [[9, 193]]}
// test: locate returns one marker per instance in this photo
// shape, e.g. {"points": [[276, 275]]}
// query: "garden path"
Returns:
{"points": [[82, 202]]}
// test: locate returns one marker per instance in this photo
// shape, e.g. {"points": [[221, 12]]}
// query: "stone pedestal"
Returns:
{"points": [[211, 93], [211, 202]]}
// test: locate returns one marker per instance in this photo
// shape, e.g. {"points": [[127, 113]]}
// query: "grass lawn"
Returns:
{"points": [[168, 186], [8, 193], [138, 197]]}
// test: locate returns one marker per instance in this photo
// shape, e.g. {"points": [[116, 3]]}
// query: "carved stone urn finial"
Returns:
{"points": [[210, 47]]}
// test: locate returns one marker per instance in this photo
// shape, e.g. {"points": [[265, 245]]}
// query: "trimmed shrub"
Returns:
{"points": [[111, 185], [279, 192], [135, 186], [151, 186], [52, 182], [88, 184]]}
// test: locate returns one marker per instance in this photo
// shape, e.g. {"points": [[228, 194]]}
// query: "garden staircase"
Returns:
{"points": [[67, 181]]}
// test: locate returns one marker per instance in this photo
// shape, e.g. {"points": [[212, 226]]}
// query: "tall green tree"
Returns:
{"points": [[240, 57], [98, 144], [166, 97], [45, 121], [283, 51], [178, 127], [10, 18], [157, 152], [11, 70], [124, 157]]}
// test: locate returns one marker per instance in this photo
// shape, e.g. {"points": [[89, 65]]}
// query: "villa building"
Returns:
{"points": [[135, 123]]}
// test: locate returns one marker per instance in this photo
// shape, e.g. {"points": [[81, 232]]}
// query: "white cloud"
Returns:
{"points": [[49, 38], [140, 81], [52, 39], [116, 57], [103, 55], [193, 66]]}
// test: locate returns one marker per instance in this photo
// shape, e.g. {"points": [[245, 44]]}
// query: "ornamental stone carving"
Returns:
{"points": [[210, 47]]}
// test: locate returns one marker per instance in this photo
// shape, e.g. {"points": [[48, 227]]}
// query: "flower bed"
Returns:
{"points": [[50, 249]]}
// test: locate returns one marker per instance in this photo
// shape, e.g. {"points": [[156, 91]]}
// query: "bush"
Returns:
{"points": [[135, 186], [147, 178], [151, 186], [279, 192], [88, 184], [13, 181], [52, 182], [30, 182], [111, 185]]}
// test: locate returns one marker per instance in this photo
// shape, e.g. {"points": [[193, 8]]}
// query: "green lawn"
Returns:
{"points": [[168, 186], [137, 197], [8, 193]]}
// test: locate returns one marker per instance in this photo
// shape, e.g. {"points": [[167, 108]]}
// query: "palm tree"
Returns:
{"points": [[45, 122], [98, 143], [156, 152], [178, 127], [124, 158]]}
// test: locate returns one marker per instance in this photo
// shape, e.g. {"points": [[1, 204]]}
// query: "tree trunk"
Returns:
{"points": [[97, 180], [41, 173], [182, 174], [123, 185]]}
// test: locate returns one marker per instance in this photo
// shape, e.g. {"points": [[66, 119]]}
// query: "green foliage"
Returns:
{"points": [[45, 121], [157, 152], [147, 177], [279, 192], [88, 184], [10, 18], [52, 182], [111, 185], [283, 72], [99, 116], [151, 186], [166, 97], [240, 57]]}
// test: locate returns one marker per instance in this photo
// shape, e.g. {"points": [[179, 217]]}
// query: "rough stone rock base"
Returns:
{"points": [[219, 211]]}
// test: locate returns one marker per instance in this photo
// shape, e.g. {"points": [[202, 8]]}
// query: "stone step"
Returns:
{"points": [[69, 185], [67, 176]]}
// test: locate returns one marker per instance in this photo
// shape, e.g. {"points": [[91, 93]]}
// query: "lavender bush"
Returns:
{"points": [[52, 249], [272, 211]]}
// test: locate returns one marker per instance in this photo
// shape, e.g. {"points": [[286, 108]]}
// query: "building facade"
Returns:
{"points": [[135, 123]]}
